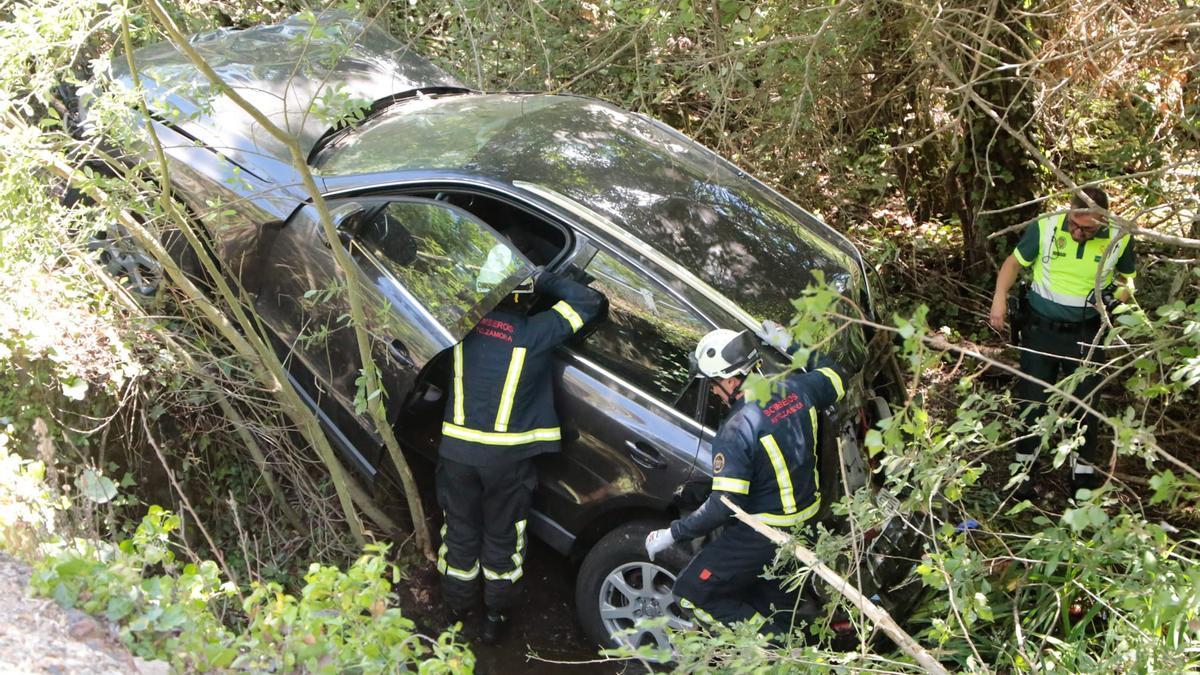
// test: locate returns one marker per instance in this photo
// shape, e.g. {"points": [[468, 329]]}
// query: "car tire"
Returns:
{"points": [[600, 598]]}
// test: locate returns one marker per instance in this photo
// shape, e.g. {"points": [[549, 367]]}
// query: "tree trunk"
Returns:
{"points": [[993, 170]]}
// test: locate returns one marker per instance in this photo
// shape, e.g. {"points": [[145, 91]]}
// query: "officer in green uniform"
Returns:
{"points": [[1060, 321]]}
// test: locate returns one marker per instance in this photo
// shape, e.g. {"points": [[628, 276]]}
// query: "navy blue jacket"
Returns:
{"points": [[765, 455], [501, 403]]}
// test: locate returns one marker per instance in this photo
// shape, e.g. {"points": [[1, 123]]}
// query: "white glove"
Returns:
{"points": [[658, 541], [776, 335]]}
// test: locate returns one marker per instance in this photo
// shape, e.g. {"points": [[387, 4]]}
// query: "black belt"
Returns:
{"points": [[1088, 326]]}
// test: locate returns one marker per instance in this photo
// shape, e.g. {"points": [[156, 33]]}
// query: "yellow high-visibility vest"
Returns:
{"points": [[1064, 271]]}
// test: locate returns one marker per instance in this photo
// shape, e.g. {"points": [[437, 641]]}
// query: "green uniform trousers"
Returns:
{"points": [[1052, 351]]}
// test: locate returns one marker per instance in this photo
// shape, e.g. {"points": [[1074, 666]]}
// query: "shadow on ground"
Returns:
{"points": [[543, 633]]}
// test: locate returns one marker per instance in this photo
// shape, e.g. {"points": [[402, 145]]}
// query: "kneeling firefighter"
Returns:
{"points": [[765, 461], [499, 415]]}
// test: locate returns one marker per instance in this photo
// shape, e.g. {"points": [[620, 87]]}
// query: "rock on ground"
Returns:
{"points": [[38, 636]]}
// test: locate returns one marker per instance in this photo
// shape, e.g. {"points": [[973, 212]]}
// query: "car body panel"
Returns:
{"points": [[598, 472], [288, 71]]}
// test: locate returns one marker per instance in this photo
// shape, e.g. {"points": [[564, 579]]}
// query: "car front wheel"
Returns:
{"points": [[618, 585]]}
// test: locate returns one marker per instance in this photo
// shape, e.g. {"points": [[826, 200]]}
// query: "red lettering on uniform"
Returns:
{"points": [[705, 574], [780, 405], [780, 410], [487, 332], [498, 325]]}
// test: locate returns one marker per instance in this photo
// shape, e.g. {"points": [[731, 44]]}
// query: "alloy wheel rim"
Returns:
{"points": [[126, 261], [635, 591]]}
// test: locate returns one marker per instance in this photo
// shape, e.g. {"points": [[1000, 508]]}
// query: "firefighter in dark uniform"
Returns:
{"points": [[764, 460], [1060, 322], [499, 415]]}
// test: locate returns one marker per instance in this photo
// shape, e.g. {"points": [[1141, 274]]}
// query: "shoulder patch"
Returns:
{"points": [[718, 462]]}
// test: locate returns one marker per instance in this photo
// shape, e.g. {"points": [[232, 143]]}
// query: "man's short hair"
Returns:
{"points": [[1097, 195]]}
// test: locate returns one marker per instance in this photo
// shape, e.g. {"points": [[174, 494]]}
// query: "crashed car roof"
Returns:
{"points": [[290, 71], [740, 237]]}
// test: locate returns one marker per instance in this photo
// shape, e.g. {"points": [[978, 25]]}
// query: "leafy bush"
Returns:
{"points": [[338, 621], [1104, 580]]}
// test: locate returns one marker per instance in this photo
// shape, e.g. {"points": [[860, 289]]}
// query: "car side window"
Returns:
{"points": [[648, 334], [456, 266]]}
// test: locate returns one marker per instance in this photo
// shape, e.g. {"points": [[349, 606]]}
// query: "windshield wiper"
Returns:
{"points": [[336, 133]]}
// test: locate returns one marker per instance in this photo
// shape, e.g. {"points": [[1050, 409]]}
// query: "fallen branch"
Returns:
{"points": [[874, 612]]}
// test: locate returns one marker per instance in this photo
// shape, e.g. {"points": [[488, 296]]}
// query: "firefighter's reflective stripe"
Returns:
{"points": [[509, 393], [460, 415], [518, 557], [741, 487], [498, 438], [512, 576], [790, 519], [812, 418], [568, 312], [787, 495], [816, 440], [1073, 278], [697, 612], [835, 380], [445, 568], [448, 570]]}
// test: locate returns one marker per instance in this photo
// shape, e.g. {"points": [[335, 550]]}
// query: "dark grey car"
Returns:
{"points": [[677, 238]]}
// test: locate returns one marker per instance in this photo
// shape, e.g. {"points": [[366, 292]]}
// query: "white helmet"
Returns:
{"points": [[725, 353], [499, 266]]}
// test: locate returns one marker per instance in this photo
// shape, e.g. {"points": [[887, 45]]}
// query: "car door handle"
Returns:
{"points": [[399, 353], [645, 455]]}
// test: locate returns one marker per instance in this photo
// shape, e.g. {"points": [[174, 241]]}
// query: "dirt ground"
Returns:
{"points": [[543, 630], [38, 636]]}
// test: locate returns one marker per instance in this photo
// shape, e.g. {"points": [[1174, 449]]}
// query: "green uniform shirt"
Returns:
{"points": [[1071, 277]]}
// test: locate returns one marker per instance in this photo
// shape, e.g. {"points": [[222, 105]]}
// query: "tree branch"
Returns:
{"points": [[373, 392], [874, 612]]}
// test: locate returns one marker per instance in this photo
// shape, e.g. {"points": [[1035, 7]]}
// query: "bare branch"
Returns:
{"points": [[874, 612]]}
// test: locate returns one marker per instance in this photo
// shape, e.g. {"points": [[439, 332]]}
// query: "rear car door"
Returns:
{"points": [[416, 261]]}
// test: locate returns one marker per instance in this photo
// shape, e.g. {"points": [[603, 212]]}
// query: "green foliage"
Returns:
{"points": [[1099, 583], [28, 507], [339, 620], [851, 108]]}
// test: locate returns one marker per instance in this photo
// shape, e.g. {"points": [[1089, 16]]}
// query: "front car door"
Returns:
{"points": [[629, 441], [416, 262]]}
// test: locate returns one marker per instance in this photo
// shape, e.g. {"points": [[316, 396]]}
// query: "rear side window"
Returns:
{"points": [[648, 334]]}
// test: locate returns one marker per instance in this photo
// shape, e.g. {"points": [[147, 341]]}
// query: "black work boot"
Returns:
{"points": [[462, 615], [1089, 481], [494, 625], [1030, 489]]}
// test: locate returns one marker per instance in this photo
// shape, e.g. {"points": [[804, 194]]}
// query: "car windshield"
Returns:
{"points": [[444, 132]]}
